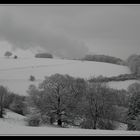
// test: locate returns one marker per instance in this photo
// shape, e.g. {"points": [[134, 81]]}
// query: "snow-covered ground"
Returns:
{"points": [[14, 124], [23, 68], [122, 84], [18, 86], [15, 73]]}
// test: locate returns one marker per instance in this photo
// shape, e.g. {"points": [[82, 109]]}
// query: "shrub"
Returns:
{"points": [[137, 123], [15, 57], [106, 124], [87, 124], [33, 120], [17, 104], [32, 78]]}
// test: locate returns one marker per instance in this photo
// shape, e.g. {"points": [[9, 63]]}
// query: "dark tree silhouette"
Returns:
{"points": [[8, 54], [3, 95]]}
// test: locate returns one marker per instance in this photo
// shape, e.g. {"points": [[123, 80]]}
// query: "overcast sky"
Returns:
{"points": [[70, 30]]}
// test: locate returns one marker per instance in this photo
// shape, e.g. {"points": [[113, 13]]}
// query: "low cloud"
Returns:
{"points": [[27, 34]]}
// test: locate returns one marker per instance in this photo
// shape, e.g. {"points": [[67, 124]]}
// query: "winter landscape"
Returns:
{"points": [[69, 70]]}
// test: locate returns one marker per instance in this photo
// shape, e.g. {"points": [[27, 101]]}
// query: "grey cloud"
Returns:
{"points": [[59, 29], [27, 33]]}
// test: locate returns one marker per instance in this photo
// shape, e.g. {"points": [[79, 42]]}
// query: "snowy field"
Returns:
{"points": [[23, 68], [122, 84], [14, 124], [18, 86], [15, 73]]}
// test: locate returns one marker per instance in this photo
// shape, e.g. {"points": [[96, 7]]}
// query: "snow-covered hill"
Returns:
{"points": [[23, 68], [15, 73]]}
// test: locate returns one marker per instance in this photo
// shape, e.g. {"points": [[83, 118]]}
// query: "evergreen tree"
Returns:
{"points": [[134, 106], [3, 95]]}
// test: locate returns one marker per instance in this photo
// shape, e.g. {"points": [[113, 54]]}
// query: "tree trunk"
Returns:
{"points": [[95, 119], [95, 123], [1, 111], [59, 122], [1, 115]]}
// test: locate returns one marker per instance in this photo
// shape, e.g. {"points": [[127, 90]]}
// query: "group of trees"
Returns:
{"points": [[104, 58], [44, 55], [133, 63], [11, 101], [121, 77], [32, 78], [56, 97], [8, 54], [99, 107], [74, 101], [66, 100], [133, 116]]}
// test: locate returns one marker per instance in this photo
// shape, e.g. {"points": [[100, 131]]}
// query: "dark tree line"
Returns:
{"points": [[44, 55], [104, 58], [121, 77]]}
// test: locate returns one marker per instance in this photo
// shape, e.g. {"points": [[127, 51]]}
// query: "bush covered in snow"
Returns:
{"points": [[33, 120]]}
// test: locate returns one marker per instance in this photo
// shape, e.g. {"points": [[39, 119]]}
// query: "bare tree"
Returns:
{"points": [[98, 106], [57, 96]]}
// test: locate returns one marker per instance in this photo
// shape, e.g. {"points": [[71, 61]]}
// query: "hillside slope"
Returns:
{"points": [[15, 73], [23, 68]]}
